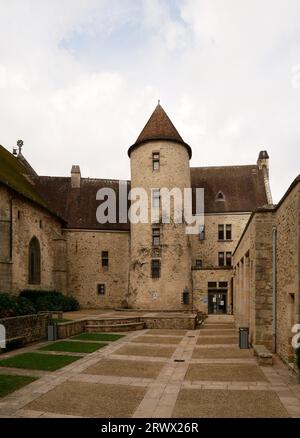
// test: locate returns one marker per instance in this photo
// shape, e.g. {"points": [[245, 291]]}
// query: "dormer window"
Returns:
{"points": [[155, 161], [220, 196]]}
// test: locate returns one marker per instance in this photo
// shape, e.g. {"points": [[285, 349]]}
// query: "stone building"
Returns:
{"points": [[50, 237]]}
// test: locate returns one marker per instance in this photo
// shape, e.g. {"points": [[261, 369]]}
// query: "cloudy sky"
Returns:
{"points": [[80, 78]]}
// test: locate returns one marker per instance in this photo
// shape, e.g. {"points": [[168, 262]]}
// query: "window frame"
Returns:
{"points": [[228, 231], [221, 256], [221, 232], [101, 289], [156, 235], [155, 161], [155, 268], [34, 261], [228, 256], [105, 259]]}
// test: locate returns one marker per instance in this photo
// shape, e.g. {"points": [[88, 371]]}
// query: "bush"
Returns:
{"points": [[298, 356], [11, 305], [50, 300]]}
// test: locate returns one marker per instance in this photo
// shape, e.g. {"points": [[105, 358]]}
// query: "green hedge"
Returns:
{"points": [[11, 305], [44, 300]]}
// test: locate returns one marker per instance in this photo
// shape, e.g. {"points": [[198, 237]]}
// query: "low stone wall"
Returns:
{"points": [[165, 322], [31, 327], [72, 328]]}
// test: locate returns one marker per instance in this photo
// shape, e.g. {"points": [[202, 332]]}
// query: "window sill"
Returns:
{"points": [[225, 240]]}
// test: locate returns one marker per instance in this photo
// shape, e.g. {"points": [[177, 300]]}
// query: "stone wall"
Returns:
{"points": [[174, 251], [207, 250], [85, 270], [288, 268], [20, 221], [31, 327]]}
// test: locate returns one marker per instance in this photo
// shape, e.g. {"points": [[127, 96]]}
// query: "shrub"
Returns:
{"points": [[46, 300], [11, 305], [298, 356]]}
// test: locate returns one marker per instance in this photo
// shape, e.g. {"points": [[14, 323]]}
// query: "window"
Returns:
{"points": [[155, 161], [220, 197], [101, 289], [224, 232], [212, 284], [155, 236], [104, 256], [202, 232], [228, 258], [185, 297], [228, 232], [19, 214], [198, 263], [155, 268], [221, 259], [223, 284], [156, 198], [34, 262], [221, 232]]}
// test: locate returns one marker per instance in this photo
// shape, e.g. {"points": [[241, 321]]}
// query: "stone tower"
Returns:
{"points": [[160, 256]]}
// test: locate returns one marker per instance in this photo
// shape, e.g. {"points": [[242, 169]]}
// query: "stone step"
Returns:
{"points": [[220, 319], [218, 327], [97, 328]]}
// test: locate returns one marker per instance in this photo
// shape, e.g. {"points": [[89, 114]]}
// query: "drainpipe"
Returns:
{"points": [[274, 294]]}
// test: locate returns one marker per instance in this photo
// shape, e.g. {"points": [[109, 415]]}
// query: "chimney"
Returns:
{"points": [[263, 164], [75, 177]]}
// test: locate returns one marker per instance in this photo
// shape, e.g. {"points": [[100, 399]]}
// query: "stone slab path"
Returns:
{"points": [[160, 374]]}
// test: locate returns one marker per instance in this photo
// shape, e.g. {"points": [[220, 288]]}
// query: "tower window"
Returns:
{"points": [[155, 268], [155, 161], [155, 236], [101, 289], [104, 257], [198, 263], [155, 198], [185, 297], [34, 262], [202, 232], [220, 197]]}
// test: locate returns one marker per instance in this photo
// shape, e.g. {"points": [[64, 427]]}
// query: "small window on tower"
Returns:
{"points": [[198, 263], [101, 289], [104, 256], [155, 161], [155, 236], [185, 297], [155, 268], [156, 198]]}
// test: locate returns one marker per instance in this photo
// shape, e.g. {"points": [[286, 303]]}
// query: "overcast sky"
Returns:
{"points": [[79, 80]]}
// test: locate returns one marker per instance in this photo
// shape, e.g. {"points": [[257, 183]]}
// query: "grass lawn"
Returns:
{"points": [[73, 347], [38, 361], [10, 383], [98, 337]]}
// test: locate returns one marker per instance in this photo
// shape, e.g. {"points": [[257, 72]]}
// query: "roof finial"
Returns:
{"points": [[158, 101], [20, 144]]}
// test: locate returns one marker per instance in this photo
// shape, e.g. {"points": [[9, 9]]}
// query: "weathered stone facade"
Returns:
{"points": [[21, 221], [266, 274]]}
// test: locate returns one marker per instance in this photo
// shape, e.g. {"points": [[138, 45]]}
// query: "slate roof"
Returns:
{"points": [[159, 127]]}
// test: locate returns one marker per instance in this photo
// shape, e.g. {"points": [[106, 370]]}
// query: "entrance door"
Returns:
{"points": [[217, 302]]}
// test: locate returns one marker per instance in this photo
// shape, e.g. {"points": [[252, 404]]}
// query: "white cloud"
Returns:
{"points": [[78, 80]]}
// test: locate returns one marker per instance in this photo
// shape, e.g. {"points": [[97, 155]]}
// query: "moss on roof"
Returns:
{"points": [[12, 174]]}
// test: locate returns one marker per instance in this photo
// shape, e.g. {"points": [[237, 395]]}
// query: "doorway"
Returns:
{"points": [[217, 302]]}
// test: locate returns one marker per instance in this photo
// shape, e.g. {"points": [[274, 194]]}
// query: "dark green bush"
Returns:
{"points": [[11, 305], [298, 356], [50, 300]]}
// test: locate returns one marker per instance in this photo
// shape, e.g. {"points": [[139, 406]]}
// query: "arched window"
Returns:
{"points": [[34, 262]]}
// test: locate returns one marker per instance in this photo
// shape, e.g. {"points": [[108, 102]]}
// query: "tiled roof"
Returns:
{"points": [[159, 127]]}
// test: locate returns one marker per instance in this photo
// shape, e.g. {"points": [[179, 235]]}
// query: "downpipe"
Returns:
{"points": [[274, 291]]}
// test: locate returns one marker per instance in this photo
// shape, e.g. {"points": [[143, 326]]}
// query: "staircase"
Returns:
{"points": [[117, 324]]}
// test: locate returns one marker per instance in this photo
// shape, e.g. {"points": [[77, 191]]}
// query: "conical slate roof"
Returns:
{"points": [[159, 127]]}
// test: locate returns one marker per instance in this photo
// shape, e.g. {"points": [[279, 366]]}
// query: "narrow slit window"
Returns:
{"points": [[221, 259], [104, 257], [155, 268], [202, 232], [228, 232], [155, 161], [221, 232], [101, 289], [155, 236]]}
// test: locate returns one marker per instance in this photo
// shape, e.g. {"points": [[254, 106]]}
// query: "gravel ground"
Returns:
{"points": [[207, 340], [223, 372], [125, 368], [221, 353], [90, 400], [147, 350], [212, 403], [158, 339]]}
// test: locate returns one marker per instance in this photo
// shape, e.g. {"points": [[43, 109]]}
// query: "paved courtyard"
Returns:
{"points": [[158, 373]]}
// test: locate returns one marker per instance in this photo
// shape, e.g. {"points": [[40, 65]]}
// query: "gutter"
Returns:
{"points": [[274, 289]]}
